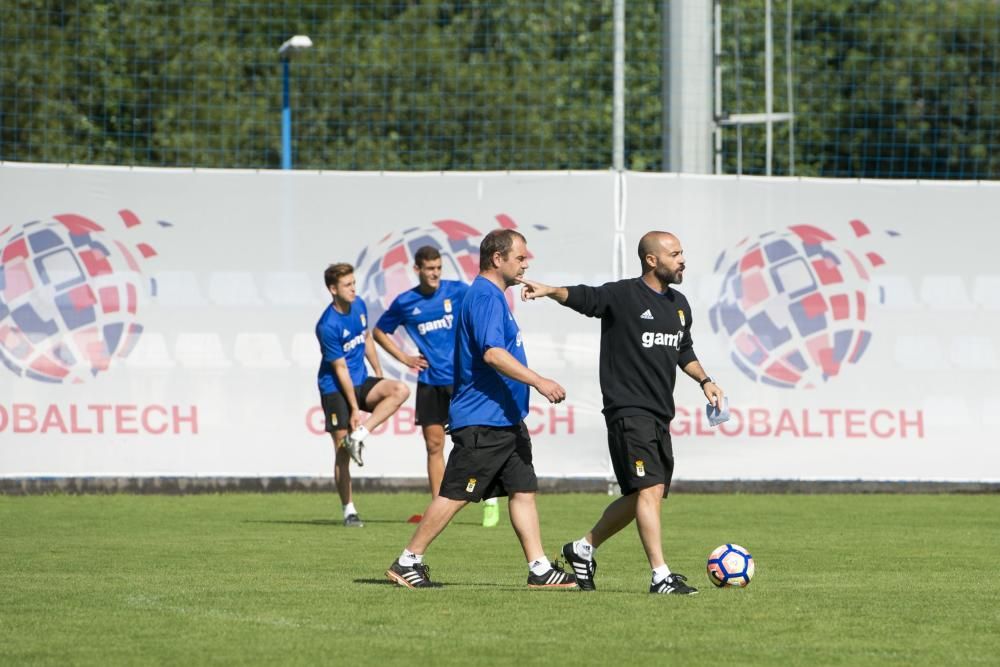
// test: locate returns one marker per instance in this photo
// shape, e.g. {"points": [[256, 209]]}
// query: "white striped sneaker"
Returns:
{"points": [[415, 576], [555, 577], [583, 569], [675, 584]]}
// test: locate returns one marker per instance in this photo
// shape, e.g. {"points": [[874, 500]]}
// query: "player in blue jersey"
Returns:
{"points": [[492, 448], [344, 385], [428, 312]]}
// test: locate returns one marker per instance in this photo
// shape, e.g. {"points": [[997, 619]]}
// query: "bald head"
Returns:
{"points": [[652, 243], [662, 258]]}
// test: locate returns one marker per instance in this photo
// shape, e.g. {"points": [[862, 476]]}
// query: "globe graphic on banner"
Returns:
{"points": [[793, 306], [385, 269], [69, 298]]}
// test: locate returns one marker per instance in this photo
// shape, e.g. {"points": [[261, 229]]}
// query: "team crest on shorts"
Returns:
{"points": [[333, 420], [471, 486], [680, 314], [447, 305], [640, 468]]}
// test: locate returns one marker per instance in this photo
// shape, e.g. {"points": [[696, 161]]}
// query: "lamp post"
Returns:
{"points": [[296, 43]]}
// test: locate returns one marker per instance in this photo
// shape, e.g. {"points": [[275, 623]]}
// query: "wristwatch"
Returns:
{"points": [[704, 382]]}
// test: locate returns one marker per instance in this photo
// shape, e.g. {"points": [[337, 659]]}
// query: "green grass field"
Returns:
{"points": [[245, 578]]}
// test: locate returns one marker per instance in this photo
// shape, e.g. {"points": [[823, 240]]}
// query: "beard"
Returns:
{"points": [[668, 277]]}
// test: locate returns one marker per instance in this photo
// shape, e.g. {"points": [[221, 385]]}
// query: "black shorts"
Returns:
{"points": [[338, 412], [641, 453], [432, 403], [489, 462]]}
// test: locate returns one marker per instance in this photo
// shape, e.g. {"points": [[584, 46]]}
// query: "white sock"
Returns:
{"points": [[409, 559], [349, 509], [584, 549], [660, 573], [490, 501], [360, 434], [540, 566]]}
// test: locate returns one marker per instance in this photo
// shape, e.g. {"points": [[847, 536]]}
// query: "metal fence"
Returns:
{"points": [[896, 89]]}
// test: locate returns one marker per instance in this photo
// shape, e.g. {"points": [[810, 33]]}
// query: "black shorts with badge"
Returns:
{"points": [[489, 462], [433, 402], [641, 453], [338, 412]]}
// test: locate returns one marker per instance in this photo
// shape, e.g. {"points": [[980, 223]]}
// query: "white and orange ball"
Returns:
{"points": [[730, 565]]}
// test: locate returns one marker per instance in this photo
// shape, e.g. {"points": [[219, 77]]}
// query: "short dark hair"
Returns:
{"points": [[335, 272], [426, 253], [497, 241]]}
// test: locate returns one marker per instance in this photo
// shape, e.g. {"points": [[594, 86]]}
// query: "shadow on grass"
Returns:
{"points": [[439, 584], [340, 522]]}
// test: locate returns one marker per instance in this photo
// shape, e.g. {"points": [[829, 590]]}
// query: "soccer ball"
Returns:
{"points": [[730, 565]]}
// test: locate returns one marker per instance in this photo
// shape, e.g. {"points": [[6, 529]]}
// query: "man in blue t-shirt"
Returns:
{"points": [[492, 449], [428, 312], [344, 385]]}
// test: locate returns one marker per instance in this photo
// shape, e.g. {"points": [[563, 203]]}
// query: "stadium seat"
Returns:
{"points": [[178, 288], [288, 288], [200, 350], [897, 289], [920, 353], [973, 353], [233, 288], [986, 291], [305, 350], [945, 292], [259, 350], [150, 353]]}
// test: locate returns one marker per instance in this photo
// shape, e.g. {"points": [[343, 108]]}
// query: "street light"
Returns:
{"points": [[296, 43]]}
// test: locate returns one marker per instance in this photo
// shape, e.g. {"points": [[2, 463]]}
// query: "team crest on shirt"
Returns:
{"points": [[364, 320], [447, 305], [680, 314], [640, 468], [471, 486]]}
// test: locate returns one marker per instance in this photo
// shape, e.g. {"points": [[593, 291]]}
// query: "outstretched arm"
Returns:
{"points": [[535, 290]]}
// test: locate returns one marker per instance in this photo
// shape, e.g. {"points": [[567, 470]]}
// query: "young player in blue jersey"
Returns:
{"points": [[428, 313], [492, 448], [344, 385]]}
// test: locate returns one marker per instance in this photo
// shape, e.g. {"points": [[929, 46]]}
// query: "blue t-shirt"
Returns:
{"points": [[430, 321], [342, 337], [484, 397]]}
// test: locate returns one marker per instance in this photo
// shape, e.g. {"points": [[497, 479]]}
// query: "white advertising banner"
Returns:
{"points": [[854, 325], [161, 322]]}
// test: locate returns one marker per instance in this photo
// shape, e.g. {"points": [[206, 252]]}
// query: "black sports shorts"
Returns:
{"points": [[489, 462], [641, 453], [432, 403], [338, 412]]}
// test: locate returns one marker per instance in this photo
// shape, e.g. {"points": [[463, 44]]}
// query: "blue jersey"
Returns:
{"points": [[430, 322], [342, 337], [484, 397]]}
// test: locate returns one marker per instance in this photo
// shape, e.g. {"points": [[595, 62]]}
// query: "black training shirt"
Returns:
{"points": [[645, 336]]}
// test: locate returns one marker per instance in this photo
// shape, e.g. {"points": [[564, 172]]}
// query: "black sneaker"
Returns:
{"points": [[353, 521], [556, 577], [415, 576], [354, 448], [674, 584], [583, 569]]}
